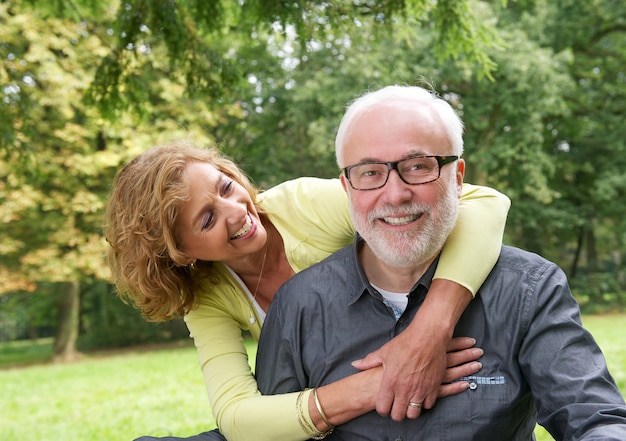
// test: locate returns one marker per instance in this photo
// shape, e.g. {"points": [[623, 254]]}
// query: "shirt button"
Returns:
{"points": [[473, 386]]}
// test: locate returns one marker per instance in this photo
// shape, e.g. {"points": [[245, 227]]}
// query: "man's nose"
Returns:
{"points": [[396, 190]]}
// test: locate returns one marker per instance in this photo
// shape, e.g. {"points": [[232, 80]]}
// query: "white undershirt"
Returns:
{"points": [[395, 300], [245, 289]]}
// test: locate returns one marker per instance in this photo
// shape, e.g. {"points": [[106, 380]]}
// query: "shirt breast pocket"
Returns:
{"points": [[487, 401]]}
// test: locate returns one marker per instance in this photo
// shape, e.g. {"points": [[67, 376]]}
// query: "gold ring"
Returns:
{"points": [[415, 405]]}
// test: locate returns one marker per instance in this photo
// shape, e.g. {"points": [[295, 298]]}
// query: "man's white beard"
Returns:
{"points": [[414, 247]]}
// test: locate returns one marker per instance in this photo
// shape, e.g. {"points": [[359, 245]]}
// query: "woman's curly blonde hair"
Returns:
{"points": [[149, 268]]}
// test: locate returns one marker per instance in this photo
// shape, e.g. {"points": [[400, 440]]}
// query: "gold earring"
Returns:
{"points": [[192, 266]]}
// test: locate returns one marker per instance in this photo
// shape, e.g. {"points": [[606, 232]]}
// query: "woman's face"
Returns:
{"points": [[219, 222]]}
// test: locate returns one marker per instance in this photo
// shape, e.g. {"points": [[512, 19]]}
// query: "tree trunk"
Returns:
{"points": [[617, 261], [592, 252], [67, 322], [579, 246]]}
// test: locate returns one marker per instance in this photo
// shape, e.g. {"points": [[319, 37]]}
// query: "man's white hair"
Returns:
{"points": [[451, 122]]}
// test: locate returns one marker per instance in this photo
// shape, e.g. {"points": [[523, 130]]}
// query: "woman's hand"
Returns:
{"points": [[460, 362], [415, 360], [363, 387]]}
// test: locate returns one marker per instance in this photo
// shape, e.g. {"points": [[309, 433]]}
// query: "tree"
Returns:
{"points": [[59, 156], [196, 36], [51, 196], [509, 142], [592, 142]]}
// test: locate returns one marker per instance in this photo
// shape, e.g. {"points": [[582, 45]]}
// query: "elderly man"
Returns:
{"points": [[399, 150]]}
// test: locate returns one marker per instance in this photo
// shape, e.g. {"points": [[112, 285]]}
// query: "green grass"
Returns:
{"points": [[115, 397], [120, 396], [24, 352]]}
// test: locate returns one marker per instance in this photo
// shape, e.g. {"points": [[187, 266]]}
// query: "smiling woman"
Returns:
{"points": [[149, 267], [191, 236]]}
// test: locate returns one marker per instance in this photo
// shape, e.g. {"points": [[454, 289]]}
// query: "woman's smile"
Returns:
{"points": [[247, 230]]}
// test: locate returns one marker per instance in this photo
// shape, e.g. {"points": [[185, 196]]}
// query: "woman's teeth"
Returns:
{"points": [[244, 230]]}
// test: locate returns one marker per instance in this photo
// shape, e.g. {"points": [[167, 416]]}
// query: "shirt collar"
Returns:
{"points": [[363, 286]]}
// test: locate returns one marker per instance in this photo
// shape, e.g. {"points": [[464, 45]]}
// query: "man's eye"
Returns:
{"points": [[418, 166], [369, 173]]}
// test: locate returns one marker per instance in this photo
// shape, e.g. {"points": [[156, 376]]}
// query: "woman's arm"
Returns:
{"points": [[414, 361], [355, 395], [473, 246], [238, 406], [239, 409]]}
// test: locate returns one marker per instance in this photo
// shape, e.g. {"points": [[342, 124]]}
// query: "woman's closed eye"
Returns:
{"points": [[226, 187], [207, 221]]}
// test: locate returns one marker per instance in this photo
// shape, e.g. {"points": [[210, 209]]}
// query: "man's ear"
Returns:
{"points": [[460, 173], [344, 182]]}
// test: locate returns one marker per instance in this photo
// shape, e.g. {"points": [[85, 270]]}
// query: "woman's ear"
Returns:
{"points": [[183, 259], [189, 260]]}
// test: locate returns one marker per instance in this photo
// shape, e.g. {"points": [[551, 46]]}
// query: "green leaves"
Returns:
{"points": [[540, 86]]}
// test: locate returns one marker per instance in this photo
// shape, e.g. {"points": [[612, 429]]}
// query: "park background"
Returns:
{"points": [[87, 85]]}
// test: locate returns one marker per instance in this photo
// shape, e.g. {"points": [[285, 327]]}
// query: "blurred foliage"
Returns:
{"points": [[107, 322], [104, 320], [599, 293], [196, 37]]}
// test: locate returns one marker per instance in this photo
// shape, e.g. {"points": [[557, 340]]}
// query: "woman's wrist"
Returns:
{"points": [[320, 411], [310, 427], [345, 399], [443, 307]]}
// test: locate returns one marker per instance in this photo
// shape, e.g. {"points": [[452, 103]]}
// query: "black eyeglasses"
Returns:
{"points": [[412, 170]]}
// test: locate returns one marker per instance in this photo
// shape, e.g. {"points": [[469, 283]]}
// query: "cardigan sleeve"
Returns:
{"points": [[473, 247], [239, 408]]}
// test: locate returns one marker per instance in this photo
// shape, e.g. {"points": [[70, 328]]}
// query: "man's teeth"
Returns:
{"points": [[244, 230], [400, 220]]}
